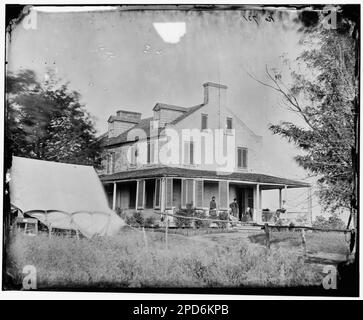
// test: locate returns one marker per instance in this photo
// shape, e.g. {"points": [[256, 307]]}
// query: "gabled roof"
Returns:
{"points": [[186, 114], [159, 106], [113, 118], [144, 125], [204, 174]]}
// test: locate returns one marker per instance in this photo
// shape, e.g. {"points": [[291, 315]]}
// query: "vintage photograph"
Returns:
{"points": [[182, 149]]}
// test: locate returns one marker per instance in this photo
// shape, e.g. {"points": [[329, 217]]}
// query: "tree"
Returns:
{"points": [[45, 120], [322, 93]]}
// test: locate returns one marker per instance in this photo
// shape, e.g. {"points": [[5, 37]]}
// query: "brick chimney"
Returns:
{"points": [[122, 121], [215, 94]]}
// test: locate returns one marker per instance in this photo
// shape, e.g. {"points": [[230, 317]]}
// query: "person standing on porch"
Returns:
{"points": [[213, 206], [234, 208]]}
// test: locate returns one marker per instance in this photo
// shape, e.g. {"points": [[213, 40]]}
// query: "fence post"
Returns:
{"points": [[166, 231], [145, 239], [303, 240], [267, 232]]}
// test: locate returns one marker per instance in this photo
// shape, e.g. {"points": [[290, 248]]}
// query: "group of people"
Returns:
{"points": [[233, 207]]}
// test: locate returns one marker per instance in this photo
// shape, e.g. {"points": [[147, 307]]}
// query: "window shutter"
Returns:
{"points": [[199, 191], [223, 195], [141, 194], [169, 193], [244, 158], [132, 155], [157, 193], [204, 121], [148, 152], [113, 157], [107, 163], [152, 152], [186, 152], [229, 123], [239, 157]]}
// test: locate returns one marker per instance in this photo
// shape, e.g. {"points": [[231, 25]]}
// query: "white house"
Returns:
{"points": [[184, 156]]}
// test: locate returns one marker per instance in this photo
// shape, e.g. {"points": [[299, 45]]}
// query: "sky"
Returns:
{"points": [[119, 60]]}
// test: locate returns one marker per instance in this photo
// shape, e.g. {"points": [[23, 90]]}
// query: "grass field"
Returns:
{"points": [[316, 242], [205, 260]]}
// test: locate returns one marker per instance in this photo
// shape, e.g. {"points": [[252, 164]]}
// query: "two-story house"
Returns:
{"points": [[183, 156]]}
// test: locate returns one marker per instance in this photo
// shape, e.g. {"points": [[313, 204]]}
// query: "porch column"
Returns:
{"points": [[114, 196], [162, 194], [285, 196], [257, 216], [280, 198]]}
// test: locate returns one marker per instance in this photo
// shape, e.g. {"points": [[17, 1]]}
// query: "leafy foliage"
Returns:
{"points": [[323, 94], [46, 120], [188, 212], [138, 218], [199, 223], [333, 222], [223, 215]]}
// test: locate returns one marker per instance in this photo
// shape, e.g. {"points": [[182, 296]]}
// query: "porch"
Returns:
{"points": [[158, 193]]}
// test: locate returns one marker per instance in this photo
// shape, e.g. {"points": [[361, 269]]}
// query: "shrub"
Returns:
{"points": [[121, 213], [131, 221], [149, 222], [198, 223], [180, 222], [333, 222], [223, 215], [138, 218]]}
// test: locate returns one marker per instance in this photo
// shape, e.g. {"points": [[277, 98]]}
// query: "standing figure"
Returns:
{"points": [[234, 208], [213, 207]]}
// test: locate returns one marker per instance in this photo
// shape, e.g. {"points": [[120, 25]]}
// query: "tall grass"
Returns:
{"points": [[125, 261]]}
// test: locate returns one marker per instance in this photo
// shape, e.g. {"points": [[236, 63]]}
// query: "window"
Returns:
{"points": [[229, 123], [110, 158], [204, 121], [189, 152], [133, 155], [242, 157], [108, 163], [148, 158]]}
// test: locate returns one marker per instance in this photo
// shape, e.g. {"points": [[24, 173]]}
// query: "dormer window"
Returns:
{"points": [[204, 121]]}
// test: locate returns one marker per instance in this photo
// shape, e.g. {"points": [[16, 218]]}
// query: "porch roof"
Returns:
{"points": [[271, 182]]}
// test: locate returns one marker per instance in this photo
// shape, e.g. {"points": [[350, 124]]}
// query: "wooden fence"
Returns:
{"points": [[267, 229]]}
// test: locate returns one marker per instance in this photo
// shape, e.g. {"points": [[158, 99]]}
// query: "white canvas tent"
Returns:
{"points": [[64, 196]]}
